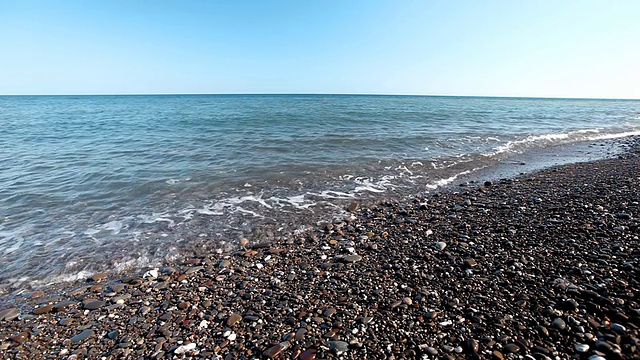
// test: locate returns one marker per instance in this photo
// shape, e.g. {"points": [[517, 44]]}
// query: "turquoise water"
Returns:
{"points": [[95, 183]]}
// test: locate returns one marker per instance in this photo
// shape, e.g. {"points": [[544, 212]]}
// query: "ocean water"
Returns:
{"points": [[109, 183]]}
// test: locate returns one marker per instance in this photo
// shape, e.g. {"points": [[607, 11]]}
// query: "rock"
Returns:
{"points": [[309, 354], [43, 309], [351, 258], [183, 349], [20, 338], [440, 245], [582, 348], [300, 333], [338, 346], [471, 346], [353, 206], [234, 318], [121, 299], [512, 348], [224, 264], [9, 314], [469, 263], [99, 277], [275, 350], [83, 336], [559, 324], [94, 305], [618, 328], [497, 355]]}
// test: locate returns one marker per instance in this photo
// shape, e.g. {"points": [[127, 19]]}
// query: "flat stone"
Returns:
{"points": [[309, 354], [559, 324], [338, 346], [440, 245], [94, 305], [351, 258], [184, 348], [99, 277], [234, 318], [121, 299], [83, 336], [276, 349], [43, 309], [9, 314], [469, 263], [300, 333], [582, 348], [512, 348], [329, 312], [20, 338]]}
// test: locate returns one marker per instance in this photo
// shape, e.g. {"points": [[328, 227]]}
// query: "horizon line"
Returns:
{"points": [[346, 94]]}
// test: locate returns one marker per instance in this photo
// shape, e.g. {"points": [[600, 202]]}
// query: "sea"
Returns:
{"points": [[128, 182]]}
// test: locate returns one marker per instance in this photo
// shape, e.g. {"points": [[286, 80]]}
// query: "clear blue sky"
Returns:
{"points": [[553, 48]]}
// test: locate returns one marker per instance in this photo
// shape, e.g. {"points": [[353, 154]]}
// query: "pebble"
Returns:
{"points": [[43, 310], [183, 349], [440, 245], [84, 335], [275, 350], [234, 318], [338, 346], [559, 324], [9, 314], [582, 348], [94, 305]]}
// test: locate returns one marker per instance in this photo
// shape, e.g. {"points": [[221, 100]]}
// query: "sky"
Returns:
{"points": [[559, 48]]}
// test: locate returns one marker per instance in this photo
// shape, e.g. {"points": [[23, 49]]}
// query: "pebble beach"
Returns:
{"points": [[541, 266]]}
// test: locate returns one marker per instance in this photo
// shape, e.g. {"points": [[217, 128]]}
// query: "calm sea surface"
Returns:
{"points": [[106, 183]]}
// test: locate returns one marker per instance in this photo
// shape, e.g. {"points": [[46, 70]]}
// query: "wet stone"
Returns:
{"points": [[94, 305], [99, 277], [309, 354], [338, 346], [440, 245], [83, 336], [43, 309], [9, 314], [581, 348], [559, 324], [20, 338], [234, 318], [351, 258], [274, 351], [512, 348]]}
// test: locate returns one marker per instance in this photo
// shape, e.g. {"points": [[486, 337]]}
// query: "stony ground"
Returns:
{"points": [[543, 266]]}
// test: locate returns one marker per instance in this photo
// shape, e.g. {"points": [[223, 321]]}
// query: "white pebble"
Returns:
{"points": [[184, 348], [232, 337], [259, 266]]}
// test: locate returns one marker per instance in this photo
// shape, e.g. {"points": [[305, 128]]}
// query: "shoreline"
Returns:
{"points": [[544, 264]]}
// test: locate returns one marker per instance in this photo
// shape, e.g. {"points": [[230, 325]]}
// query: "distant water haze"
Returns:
{"points": [[107, 183]]}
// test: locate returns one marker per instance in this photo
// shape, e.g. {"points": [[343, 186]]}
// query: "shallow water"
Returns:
{"points": [[95, 183]]}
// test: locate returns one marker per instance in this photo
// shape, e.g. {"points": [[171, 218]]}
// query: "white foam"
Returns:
{"points": [[616, 136], [297, 201], [114, 226], [449, 180]]}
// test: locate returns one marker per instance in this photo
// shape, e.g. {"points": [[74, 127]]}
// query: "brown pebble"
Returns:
{"points": [[276, 350], [20, 338], [43, 309], [99, 277], [234, 318]]}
